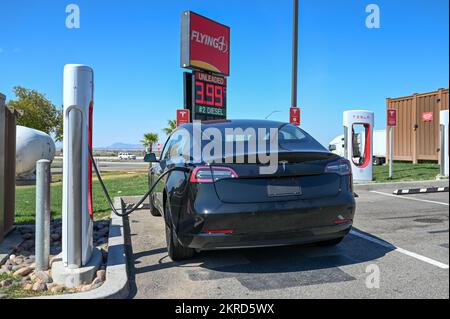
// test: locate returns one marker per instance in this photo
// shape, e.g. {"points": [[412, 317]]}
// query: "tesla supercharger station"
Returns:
{"points": [[444, 143], [358, 128], [77, 179]]}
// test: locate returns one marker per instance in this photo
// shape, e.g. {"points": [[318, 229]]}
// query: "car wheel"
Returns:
{"points": [[332, 242], [153, 210], [176, 251]]}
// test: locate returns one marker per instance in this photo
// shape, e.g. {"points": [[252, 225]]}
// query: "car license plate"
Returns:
{"points": [[283, 187]]}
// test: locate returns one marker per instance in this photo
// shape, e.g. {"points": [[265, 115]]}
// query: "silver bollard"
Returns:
{"points": [[43, 179]]}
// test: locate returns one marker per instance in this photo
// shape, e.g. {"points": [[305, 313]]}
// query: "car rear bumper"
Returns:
{"points": [[268, 224], [213, 242]]}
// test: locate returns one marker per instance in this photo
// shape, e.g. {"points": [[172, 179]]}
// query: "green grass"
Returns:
{"points": [[406, 172], [118, 184]]}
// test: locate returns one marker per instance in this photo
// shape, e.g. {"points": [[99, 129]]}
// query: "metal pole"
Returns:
{"points": [[42, 245], [391, 161], [295, 56], [2, 164]]}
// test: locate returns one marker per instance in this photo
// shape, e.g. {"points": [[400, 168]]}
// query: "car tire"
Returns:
{"points": [[176, 251], [153, 210], [377, 161], [331, 242]]}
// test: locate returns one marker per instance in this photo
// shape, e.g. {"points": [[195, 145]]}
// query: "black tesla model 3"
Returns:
{"points": [[225, 200]]}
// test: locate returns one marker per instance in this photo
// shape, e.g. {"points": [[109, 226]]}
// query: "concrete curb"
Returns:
{"points": [[399, 185], [116, 285], [427, 190]]}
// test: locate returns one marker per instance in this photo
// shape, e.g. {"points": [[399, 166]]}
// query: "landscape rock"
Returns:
{"points": [[16, 267], [2, 296], [39, 286], [57, 289], [26, 229], [28, 286], [101, 274], [25, 280], [6, 283], [22, 272], [44, 277], [27, 236]]}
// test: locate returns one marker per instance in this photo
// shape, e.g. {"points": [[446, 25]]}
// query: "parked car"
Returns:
{"points": [[309, 199], [127, 156]]}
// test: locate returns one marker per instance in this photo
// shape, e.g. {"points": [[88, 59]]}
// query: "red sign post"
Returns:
{"points": [[392, 117], [183, 117], [295, 116], [205, 44]]}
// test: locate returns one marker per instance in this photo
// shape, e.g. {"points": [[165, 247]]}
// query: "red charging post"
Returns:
{"points": [[295, 116], [183, 117], [392, 119]]}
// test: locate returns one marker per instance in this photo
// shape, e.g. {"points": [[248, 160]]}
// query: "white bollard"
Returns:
{"points": [[42, 246]]}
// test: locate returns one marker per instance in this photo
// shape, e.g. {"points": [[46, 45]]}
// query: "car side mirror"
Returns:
{"points": [[150, 158]]}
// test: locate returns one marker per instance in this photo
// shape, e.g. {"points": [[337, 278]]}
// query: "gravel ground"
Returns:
{"points": [[18, 276]]}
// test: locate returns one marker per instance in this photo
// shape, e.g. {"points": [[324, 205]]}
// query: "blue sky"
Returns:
{"points": [[133, 47]]}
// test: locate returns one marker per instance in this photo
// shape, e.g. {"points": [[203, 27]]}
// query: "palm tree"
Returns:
{"points": [[172, 126], [149, 140]]}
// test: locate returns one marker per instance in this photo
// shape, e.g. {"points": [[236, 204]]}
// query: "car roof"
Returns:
{"points": [[238, 123]]}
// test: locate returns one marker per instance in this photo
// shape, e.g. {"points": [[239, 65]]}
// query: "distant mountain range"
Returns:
{"points": [[122, 146]]}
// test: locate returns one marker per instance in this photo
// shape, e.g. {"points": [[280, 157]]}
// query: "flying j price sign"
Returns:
{"points": [[209, 96], [205, 44], [392, 117]]}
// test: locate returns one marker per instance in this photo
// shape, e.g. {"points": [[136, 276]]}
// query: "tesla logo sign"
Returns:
{"points": [[183, 117], [427, 117], [295, 116], [392, 117], [205, 44]]}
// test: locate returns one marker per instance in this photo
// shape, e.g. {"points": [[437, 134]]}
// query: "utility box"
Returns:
{"points": [[8, 121], [417, 135]]}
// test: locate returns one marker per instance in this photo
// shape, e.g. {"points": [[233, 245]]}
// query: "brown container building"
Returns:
{"points": [[415, 139]]}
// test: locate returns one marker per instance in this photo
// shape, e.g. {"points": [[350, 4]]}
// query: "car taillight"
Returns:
{"points": [[341, 167], [208, 174]]}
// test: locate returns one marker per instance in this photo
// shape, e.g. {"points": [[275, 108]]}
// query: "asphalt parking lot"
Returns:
{"points": [[403, 238]]}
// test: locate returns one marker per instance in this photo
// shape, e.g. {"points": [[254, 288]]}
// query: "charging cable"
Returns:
{"points": [[124, 212]]}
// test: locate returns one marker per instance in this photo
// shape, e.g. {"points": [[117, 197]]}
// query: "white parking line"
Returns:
{"points": [[411, 198], [400, 250]]}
